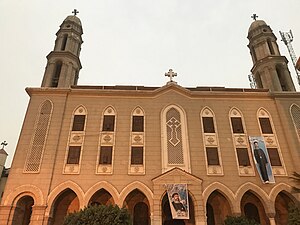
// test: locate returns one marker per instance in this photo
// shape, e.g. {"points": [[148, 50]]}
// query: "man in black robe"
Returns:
{"points": [[262, 161]]}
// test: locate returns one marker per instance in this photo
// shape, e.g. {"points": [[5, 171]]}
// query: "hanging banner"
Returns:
{"points": [[261, 159], [178, 199]]}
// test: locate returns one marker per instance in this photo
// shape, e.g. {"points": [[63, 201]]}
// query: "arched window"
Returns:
{"points": [[107, 141], [239, 136], [211, 142], [137, 146], [38, 141], [76, 140], [295, 114], [271, 141], [175, 142]]}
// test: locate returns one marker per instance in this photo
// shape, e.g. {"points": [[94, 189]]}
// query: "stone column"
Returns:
{"points": [[37, 215], [5, 213], [272, 221]]}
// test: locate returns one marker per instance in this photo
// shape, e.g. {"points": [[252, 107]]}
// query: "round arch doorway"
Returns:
{"points": [[167, 216]]}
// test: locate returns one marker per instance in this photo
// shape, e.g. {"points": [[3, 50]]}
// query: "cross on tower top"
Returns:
{"points": [[4, 143], [171, 74], [75, 12], [254, 16]]}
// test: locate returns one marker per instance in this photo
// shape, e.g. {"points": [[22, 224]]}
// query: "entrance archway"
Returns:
{"points": [[252, 208], [218, 208], [138, 206], [210, 215], [102, 197], [66, 202], [282, 203], [167, 215], [23, 211]]}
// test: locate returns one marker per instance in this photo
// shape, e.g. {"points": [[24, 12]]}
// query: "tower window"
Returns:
{"points": [[253, 53], [56, 75], [78, 123], [265, 126], [243, 156], [108, 123], [64, 42], [137, 156], [138, 124], [105, 155], [281, 78], [270, 47], [212, 156], [74, 155], [208, 124], [237, 125]]}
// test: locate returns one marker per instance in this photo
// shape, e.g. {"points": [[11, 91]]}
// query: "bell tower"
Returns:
{"points": [[270, 69], [63, 63]]}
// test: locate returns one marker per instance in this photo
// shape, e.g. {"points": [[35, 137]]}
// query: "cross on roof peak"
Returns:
{"points": [[4, 143], [75, 12], [254, 16], [171, 74]]}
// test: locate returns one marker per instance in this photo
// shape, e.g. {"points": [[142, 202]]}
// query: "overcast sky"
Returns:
{"points": [[134, 42]]}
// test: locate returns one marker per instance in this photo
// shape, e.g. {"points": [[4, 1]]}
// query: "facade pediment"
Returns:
{"points": [[177, 175]]}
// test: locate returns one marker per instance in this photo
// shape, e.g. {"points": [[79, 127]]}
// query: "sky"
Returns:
{"points": [[134, 42]]}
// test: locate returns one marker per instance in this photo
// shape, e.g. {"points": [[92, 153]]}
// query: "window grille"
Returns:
{"points": [[174, 137], [34, 156]]}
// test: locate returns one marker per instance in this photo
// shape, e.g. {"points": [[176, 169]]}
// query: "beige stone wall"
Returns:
{"points": [[46, 185]]}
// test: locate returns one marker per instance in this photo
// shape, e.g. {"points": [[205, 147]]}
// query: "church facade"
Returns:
{"points": [[123, 145]]}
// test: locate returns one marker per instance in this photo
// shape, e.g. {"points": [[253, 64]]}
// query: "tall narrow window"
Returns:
{"points": [[253, 53], [64, 42], [78, 123], [108, 123], [265, 125], [295, 113], [105, 159], [240, 143], [268, 133], [211, 142], [73, 154], [174, 139], [175, 153], [208, 124], [212, 156], [270, 47], [105, 155], [39, 136], [138, 123], [137, 156], [237, 125], [76, 141], [56, 75]]}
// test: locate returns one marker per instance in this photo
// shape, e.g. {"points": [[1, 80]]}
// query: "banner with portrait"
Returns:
{"points": [[178, 199], [261, 159]]}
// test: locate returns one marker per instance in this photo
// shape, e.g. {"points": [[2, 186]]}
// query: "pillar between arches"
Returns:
{"points": [[272, 221], [5, 214], [37, 216]]}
